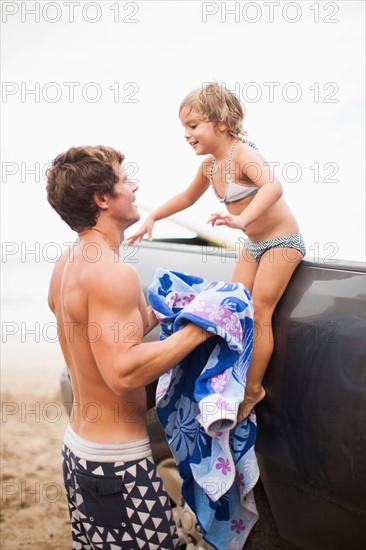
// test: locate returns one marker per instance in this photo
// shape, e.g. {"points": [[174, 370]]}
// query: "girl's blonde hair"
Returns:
{"points": [[217, 104]]}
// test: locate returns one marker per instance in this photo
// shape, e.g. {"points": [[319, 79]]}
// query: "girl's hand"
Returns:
{"points": [[146, 227], [219, 218]]}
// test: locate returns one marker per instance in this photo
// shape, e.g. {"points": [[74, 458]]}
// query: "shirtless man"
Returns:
{"points": [[115, 495]]}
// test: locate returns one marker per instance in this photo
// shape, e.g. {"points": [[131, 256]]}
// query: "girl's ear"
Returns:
{"points": [[101, 200], [222, 126]]}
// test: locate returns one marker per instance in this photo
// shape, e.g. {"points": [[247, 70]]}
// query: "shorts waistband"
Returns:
{"points": [[94, 451]]}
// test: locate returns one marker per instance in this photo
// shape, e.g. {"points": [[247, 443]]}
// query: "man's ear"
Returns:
{"points": [[101, 200]]}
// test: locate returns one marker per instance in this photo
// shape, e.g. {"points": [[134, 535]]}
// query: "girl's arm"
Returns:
{"points": [[179, 202], [270, 191]]}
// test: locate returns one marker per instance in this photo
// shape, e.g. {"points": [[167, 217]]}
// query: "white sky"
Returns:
{"points": [[156, 61]]}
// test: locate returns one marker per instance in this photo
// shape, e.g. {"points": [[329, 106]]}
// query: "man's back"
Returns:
{"points": [[79, 291]]}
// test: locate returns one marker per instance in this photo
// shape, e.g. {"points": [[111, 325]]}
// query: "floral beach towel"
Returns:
{"points": [[198, 399]]}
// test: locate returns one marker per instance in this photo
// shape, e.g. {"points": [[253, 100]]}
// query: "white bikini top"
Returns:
{"points": [[234, 191]]}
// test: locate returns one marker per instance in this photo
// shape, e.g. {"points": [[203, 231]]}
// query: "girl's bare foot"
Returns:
{"points": [[250, 400]]}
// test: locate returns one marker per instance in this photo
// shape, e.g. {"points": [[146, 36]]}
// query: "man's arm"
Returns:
{"points": [[152, 321], [124, 362]]}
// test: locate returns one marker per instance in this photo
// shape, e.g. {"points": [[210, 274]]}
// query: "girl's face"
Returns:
{"points": [[200, 135]]}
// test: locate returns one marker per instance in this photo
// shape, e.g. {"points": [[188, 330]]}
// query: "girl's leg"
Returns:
{"points": [[245, 270], [275, 270]]}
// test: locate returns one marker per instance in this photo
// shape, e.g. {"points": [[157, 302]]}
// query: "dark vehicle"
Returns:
{"points": [[311, 426]]}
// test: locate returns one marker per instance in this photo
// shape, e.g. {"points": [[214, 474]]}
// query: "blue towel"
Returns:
{"points": [[197, 403]]}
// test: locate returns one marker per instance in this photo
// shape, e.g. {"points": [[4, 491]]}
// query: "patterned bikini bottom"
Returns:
{"points": [[257, 249]]}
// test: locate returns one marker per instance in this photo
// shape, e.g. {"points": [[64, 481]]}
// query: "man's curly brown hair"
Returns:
{"points": [[73, 179]]}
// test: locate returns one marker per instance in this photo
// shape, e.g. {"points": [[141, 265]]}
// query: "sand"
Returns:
{"points": [[33, 505]]}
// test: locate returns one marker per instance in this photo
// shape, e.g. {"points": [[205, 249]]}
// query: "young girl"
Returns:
{"points": [[212, 117]]}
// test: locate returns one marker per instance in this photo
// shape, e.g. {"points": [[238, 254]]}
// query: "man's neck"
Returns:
{"points": [[112, 239]]}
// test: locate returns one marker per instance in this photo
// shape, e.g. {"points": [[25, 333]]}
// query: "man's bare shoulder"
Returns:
{"points": [[109, 278], [96, 271]]}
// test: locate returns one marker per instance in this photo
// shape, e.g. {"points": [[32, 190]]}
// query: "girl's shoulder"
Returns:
{"points": [[248, 142], [246, 151]]}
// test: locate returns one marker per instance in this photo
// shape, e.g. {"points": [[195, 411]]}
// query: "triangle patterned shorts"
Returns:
{"points": [[117, 505]]}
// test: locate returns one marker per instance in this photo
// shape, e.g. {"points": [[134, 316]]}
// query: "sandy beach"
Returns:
{"points": [[33, 505]]}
